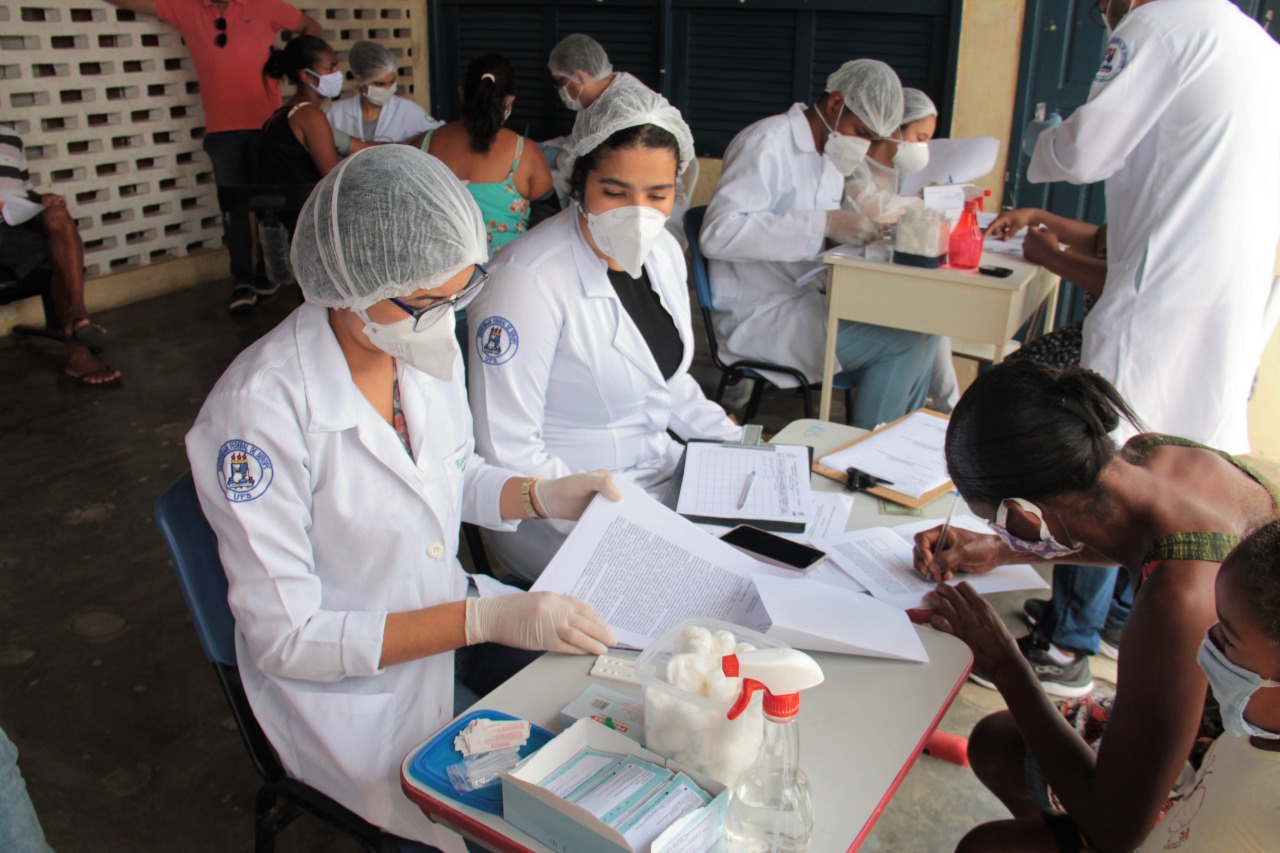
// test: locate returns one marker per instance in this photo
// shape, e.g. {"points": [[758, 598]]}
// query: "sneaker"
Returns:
{"points": [[1033, 609], [1109, 642], [264, 287], [243, 298], [1066, 681]]}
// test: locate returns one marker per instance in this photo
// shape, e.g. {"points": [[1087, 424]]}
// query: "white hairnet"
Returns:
{"points": [[387, 221], [578, 51], [915, 106], [370, 60], [621, 107], [872, 92]]}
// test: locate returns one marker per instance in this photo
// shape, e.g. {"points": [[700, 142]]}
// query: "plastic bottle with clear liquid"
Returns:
{"points": [[770, 809]]}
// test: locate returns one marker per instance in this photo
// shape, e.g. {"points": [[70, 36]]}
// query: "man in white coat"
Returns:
{"points": [[778, 199], [1191, 159]]}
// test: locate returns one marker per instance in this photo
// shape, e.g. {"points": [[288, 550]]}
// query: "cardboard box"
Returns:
{"points": [[558, 823], [614, 710]]}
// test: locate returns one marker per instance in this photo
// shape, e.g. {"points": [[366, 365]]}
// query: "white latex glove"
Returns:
{"points": [[567, 497], [539, 621], [847, 226]]}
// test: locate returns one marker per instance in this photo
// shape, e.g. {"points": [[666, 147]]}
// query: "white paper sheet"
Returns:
{"points": [[829, 518], [19, 209], [881, 559], [954, 161], [716, 476], [827, 619], [909, 455], [1012, 246]]}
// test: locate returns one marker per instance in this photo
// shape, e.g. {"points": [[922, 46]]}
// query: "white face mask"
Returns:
{"points": [[627, 234], [1233, 686], [572, 103], [330, 84], [433, 350], [379, 95], [911, 157], [846, 153]]}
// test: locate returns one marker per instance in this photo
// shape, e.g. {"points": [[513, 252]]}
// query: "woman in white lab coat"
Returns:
{"points": [[374, 112], [334, 460], [583, 338]]}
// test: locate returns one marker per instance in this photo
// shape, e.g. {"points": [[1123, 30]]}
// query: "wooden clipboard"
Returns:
{"points": [[884, 491]]}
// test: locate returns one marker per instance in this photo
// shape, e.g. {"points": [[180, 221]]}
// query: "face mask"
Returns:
{"points": [[432, 350], [627, 234], [846, 153], [572, 103], [330, 84], [911, 157], [1047, 548], [1233, 686], [379, 95]]}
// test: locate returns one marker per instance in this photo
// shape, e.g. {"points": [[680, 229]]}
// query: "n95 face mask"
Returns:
{"points": [[911, 157], [379, 95], [627, 234], [846, 153], [433, 350]]}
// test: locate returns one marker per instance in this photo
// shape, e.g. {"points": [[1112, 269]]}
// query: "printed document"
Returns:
{"points": [[730, 481], [908, 454]]}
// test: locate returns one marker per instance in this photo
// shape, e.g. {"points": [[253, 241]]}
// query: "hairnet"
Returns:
{"points": [[386, 222], [915, 106], [577, 51], [623, 106], [872, 92], [370, 60]]}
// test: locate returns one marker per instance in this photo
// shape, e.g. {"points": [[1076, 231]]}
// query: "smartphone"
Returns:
{"points": [[997, 272], [772, 549]]}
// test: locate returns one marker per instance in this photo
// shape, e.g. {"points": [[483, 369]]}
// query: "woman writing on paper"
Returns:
{"points": [[1029, 450], [583, 340]]}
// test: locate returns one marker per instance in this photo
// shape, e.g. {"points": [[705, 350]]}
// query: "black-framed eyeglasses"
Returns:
{"points": [[220, 24], [1097, 13], [426, 317]]}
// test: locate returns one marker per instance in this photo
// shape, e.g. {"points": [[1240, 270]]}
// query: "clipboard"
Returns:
{"points": [[671, 498], [884, 491]]}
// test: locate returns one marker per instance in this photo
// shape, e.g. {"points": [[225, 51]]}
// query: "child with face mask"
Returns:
{"points": [[1232, 805]]}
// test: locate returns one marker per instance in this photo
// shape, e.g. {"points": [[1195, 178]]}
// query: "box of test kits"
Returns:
{"points": [[567, 826], [610, 708]]}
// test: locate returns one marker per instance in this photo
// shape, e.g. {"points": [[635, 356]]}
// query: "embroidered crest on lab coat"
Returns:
{"points": [[244, 471], [496, 340], [1113, 61]]}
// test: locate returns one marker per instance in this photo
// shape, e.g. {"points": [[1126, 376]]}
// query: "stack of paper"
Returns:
{"points": [[729, 482], [909, 454]]}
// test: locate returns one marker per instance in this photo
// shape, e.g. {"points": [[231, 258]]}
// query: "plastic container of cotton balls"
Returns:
{"points": [[687, 698]]}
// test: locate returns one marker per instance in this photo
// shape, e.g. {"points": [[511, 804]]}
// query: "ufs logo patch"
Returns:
{"points": [[244, 471], [1113, 61], [496, 340]]}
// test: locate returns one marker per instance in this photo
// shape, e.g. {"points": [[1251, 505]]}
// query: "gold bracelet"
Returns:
{"points": [[526, 498]]}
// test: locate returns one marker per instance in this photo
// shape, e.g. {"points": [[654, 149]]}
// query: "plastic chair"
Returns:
{"points": [[747, 368], [194, 548]]}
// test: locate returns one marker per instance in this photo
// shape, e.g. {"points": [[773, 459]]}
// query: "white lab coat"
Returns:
{"points": [[399, 120], [1180, 127], [580, 390], [348, 529], [764, 229]]}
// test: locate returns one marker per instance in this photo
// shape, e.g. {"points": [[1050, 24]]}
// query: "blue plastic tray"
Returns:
{"points": [[431, 765]]}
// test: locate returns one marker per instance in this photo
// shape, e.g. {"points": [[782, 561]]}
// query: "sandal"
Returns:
{"points": [[87, 370], [89, 333]]}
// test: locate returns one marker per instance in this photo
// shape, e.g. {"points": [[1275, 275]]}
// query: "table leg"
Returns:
{"points": [[829, 354]]}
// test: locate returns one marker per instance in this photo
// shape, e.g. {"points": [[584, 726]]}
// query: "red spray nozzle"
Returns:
{"points": [[787, 667]]}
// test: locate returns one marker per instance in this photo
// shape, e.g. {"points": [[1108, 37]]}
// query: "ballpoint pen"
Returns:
{"points": [[946, 525], [746, 490]]}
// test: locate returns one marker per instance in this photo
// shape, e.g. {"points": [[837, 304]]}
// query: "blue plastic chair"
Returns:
{"points": [[280, 800], [747, 368]]}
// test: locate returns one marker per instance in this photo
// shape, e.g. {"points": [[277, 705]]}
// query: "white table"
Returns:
{"points": [[860, 731], [963, 304]]}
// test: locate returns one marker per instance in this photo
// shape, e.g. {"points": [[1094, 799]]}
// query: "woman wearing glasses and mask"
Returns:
{"points": [[1029, 447], [335, 460], [374, 112], [582, 341]]}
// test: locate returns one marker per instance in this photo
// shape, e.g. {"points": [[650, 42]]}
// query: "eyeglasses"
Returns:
{"points": [[220, 24], [1096, 13], [425, 318]]}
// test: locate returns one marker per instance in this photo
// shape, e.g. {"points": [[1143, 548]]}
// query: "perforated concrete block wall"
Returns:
{"points": [[108, 105]]}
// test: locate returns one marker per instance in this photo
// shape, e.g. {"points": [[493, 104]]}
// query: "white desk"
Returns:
{"points": [[960, 303], [860, 731]]}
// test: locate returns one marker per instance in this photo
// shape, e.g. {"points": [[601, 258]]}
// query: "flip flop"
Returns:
{"points": [[90, 334], [84, 378]]}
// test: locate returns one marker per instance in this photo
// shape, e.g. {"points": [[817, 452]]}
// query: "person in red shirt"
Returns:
{"points": [[229, 42]]}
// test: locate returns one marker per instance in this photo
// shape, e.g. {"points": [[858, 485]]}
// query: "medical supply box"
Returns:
{"points": [[553, 820], [610, 708]]}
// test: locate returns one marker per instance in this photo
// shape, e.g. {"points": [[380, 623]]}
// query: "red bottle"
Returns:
{"points": [[964, 249]]}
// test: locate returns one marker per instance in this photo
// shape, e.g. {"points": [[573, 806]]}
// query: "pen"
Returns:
{"points": [[746, 490], [946, 525]]}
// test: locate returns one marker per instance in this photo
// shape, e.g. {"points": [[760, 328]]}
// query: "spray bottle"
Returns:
{"points": [[770, 810], [965, 248]]}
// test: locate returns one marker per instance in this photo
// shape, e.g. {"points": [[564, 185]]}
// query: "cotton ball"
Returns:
{"points": [[676, 740], [696, 640], [722, 688], [685, 673], [743, 647], [724, 642]]}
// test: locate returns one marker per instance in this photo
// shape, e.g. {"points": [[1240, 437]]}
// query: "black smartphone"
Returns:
{"points": [[997, 272], [773, 549]]}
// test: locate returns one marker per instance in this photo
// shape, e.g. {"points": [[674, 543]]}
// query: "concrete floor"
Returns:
{"points": [[126, 742]]}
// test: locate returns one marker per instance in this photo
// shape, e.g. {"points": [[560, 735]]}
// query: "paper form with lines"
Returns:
{"points": [[716, 483]]}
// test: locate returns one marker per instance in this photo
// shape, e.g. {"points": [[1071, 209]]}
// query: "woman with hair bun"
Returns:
{"points": [[502, 174], [1029, 449]]}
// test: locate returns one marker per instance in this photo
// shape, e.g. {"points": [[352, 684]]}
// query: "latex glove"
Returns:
{"points": [[567, 497], [848, 226], [1010, 222], [1034, 128], [539, 621], [1041, 246]]}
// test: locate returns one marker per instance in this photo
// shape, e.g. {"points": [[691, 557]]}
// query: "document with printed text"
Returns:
{"points": [[745, 484], [909, 454]]}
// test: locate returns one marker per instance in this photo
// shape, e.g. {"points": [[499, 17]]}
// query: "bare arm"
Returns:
{"points": [[141, 7], [316, 135], [307, 25], [534, 175], [1078, 265]]}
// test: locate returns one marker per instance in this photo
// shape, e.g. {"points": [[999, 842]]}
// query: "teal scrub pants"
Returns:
{"points": [[893, 368]]}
